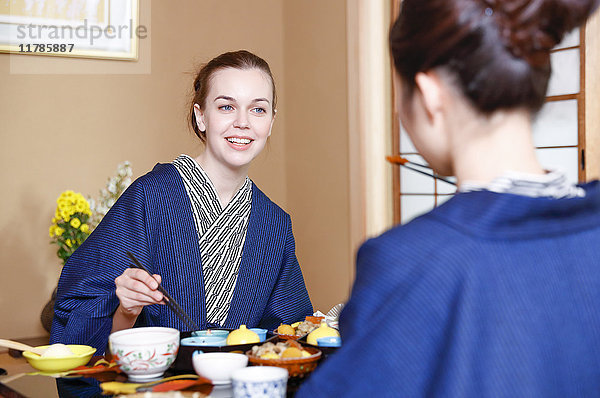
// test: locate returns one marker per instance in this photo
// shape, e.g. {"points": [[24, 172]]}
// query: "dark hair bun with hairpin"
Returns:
{"points": [[499, 50]]}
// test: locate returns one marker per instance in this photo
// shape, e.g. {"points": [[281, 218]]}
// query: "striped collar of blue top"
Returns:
{"points": [[553, 184], [221, 234]]}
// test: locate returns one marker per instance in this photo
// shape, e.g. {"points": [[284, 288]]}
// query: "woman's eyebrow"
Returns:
{"points": [[228, 98], [225, 97]]}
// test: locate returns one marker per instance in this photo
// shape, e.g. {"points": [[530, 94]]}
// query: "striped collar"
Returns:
{"points": [[221, 234], [553, 184]]}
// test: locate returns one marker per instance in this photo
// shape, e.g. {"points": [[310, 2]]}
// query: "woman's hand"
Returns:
{"points": [[135, 290]]}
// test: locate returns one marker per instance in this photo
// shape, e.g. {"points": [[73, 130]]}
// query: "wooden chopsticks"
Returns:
{"points": [[170, 301], [397, 159]]}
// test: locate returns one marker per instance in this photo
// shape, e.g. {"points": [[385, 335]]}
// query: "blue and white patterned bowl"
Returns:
{"points": [[260, 382]]}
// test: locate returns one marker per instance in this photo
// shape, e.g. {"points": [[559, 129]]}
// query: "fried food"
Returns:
{"points": [[285, 329]]}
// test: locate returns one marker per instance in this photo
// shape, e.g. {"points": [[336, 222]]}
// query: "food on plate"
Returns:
{"points": [[291, 352], [57, 350], [297, 328], [290, 355], [270, 355], [315, 319], [286, 329], [305, 327], [289, 349], [321, 331]]}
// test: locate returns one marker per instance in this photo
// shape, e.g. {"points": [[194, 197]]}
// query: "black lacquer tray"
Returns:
{"points": [[183, 362]]}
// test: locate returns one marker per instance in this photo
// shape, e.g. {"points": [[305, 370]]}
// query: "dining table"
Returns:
{"points": [[22, 380], [40, 386], [27, 382]]}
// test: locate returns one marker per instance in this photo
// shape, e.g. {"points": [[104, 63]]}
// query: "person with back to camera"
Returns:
{"points": [[495, 293], [214, 241]]}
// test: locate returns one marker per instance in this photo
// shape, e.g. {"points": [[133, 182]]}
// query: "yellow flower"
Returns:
{"points": [[68, 243], [59, 231], [85, 228], [75, 223], [52, 230]]}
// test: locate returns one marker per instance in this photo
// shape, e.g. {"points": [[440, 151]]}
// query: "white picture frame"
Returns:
{"points": [[103, 29]]}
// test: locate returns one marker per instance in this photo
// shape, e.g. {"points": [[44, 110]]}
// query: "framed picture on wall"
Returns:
{"points": [[71, 28]]}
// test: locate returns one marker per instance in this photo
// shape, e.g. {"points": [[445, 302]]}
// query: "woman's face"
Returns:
{"points": [[237, 116]]}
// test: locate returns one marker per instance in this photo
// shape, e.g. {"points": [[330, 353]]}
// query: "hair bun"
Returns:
{"points": [[531, 28]]}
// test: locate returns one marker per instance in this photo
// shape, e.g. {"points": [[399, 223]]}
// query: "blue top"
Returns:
{"points": [[488, 295], [153, 220]]}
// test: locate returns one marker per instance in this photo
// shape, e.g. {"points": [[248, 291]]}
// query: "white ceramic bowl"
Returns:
{"points": [[144, 353], [260, 382], [218, 366]]}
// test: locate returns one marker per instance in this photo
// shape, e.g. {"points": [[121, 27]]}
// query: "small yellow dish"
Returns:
{"points": [[81, 356]]}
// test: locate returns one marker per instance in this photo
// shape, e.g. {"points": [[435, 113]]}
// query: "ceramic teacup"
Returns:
{"points": [[260, 382]]}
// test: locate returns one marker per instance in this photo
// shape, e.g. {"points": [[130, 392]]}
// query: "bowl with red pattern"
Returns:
{"points": [[144, 353]]}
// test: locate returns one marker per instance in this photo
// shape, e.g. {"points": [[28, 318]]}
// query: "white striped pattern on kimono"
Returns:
{"points": [[221, 234]]}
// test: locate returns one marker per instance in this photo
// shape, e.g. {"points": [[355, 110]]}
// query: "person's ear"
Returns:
{"points": [[430, 87], [199, 118], [272, 121]]}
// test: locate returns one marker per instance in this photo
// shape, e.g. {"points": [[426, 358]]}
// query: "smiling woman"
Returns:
{"points": [[212, 239]]}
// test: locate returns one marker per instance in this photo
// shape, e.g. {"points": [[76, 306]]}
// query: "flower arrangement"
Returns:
{"points": [[70, 223], [115, 186], [76, 217]]}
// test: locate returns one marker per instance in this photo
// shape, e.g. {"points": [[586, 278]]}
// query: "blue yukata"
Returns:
{"points": [[488, 295], [154, 219]]}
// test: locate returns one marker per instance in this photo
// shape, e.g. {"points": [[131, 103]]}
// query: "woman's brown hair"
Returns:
{"points": [[241, 59], [498, 51]]}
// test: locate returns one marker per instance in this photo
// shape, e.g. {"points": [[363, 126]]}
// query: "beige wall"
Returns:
{"points": [[317, 145], [70, 131]]}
